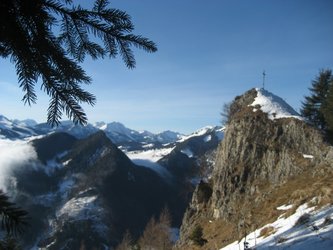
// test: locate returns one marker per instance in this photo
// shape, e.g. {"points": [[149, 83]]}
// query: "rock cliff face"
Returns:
{"points": [[260, 163]]}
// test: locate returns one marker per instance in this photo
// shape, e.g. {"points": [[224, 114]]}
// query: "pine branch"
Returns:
{"points": [[13, 218], [100, 5], [67, 36], [27, 81], [27, 36], [55, 109], [141, 43], [126, 53], [110, 45], [107, 24], [4, 51]]}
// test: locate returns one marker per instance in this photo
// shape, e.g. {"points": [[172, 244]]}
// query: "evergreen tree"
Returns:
{"points": [[314, 107], [47, 39], [328, 113], [13, 218], [197, 236]]}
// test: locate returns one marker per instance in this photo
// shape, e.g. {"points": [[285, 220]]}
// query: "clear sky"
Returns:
{"points": [[208, 52]]}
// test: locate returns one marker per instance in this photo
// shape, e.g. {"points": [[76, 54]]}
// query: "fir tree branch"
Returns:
{"points": [[13, 218]]}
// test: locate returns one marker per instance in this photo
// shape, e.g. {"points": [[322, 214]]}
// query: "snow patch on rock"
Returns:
{"points": [[187, 152], [308, 156], [274, 106], [208, 138]]}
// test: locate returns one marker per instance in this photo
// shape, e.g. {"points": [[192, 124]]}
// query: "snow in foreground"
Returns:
{"points": [[315, 233], [274, 106]]}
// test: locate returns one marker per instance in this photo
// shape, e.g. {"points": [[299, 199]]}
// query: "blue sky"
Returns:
{"points": [[208, 52]]}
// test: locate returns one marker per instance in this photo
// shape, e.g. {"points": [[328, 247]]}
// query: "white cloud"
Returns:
{"points": [[13, 154]]}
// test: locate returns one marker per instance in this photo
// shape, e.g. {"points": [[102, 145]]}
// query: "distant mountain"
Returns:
{"points": [[194, 155], [69, 127], [132, 139]]}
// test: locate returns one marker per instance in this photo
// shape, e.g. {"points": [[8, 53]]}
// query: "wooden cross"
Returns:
{"points": [[263, 79]]}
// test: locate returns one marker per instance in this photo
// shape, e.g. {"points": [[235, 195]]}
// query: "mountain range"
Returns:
{"points": [[90, 177], [243, 184], [117, 132]]}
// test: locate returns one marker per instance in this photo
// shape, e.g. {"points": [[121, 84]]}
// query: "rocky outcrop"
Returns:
{"points": [[257, 155], [256, 150]]}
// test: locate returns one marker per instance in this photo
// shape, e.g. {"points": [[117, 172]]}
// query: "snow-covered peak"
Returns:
{"points": [[116, 127], [99, 125], [26, 122], [275, 107], [168, 136]]}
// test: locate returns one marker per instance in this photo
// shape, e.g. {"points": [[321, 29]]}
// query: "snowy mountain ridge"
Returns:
{"points": [[207, 129]]}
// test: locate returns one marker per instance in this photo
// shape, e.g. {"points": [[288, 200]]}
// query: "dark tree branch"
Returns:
{"points": [[26, 35]]}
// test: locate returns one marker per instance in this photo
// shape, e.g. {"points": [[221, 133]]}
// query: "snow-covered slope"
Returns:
{"points": [[151, 154], [307, 229], [274, 106]]}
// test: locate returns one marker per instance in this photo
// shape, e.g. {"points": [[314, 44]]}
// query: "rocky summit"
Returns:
{"points": [[269, 157]]}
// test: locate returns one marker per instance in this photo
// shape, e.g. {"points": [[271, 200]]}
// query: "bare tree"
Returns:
{"points": [[157, 233], [126, 243], [225, 113]]}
